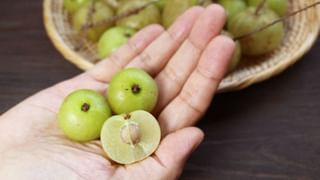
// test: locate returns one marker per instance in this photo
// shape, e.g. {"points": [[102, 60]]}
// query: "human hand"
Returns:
{"points": [[187, 61]]}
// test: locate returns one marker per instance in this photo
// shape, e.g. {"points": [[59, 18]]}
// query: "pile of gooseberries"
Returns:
{"points": [[110, 23]]}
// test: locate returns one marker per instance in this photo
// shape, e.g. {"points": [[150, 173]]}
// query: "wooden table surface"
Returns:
{"points": [[268, 131]]}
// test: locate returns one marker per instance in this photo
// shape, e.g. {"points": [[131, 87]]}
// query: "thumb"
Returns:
{"points": [[176, 147]]}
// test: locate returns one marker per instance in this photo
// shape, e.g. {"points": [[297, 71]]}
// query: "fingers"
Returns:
{"points": [[176, 148], [181, 65], [102, 73], [104, 70], [197, 93], [159, 47], [147, 50], [158, 53]]}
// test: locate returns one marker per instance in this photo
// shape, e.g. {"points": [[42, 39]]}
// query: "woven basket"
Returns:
{"points": [[301, 32]]}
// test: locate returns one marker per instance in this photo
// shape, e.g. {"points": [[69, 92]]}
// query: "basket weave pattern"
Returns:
{"points": [[301, 32]]}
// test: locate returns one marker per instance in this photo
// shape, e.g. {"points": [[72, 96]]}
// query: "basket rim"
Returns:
{"points": [[68, 53], [273, 70], [73, 57]]}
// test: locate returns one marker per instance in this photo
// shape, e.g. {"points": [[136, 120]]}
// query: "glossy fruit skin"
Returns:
{"points": [[102, 12], [236, 55], [150, 15], [173, 9], [121, 96], [123, 153], [279, 6], [112, 39], [79, 124], [72, 6], [233, 7], [262, 42]]}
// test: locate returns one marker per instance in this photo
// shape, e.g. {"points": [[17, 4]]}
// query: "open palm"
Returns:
{"points": [[187, 61]]}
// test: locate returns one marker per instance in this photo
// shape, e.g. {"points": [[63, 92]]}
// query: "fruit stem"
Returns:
{"points": [[127, 116], [276, 21], [127, 35], [85, 107], [259, 7], [135, 89]]}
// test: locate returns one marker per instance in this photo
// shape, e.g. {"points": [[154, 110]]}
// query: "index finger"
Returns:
{"points": [[198, 91]]}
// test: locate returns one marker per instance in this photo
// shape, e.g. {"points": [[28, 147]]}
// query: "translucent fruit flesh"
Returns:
{"points": [[122, 152]]}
